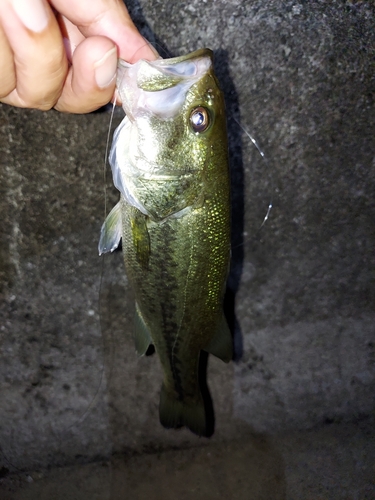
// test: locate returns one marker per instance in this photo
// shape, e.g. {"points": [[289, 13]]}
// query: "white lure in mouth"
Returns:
{"points": [[158, 87]]}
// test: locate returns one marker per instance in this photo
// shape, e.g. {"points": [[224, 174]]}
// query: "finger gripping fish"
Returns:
{"points": [[169, 161]]}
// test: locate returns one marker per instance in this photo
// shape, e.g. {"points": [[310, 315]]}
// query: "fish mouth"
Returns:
{"points": [[186, 57], [172, 60], [159, 87]]}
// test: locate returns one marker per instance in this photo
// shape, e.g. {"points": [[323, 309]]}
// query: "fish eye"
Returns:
{"points": [[199, 119]]}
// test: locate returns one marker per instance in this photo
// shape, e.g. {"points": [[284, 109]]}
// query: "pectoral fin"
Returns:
{"points": [[221, 344], [142, 335], [141, 238], [111, 231]]}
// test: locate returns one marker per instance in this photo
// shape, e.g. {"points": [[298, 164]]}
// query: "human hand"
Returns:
{"points": [[63, 53]]}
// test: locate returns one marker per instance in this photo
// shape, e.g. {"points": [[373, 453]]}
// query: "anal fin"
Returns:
{"points": [[142, 336]]}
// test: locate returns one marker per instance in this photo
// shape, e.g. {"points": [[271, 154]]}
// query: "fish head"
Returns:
{"points": [[176, 125]]}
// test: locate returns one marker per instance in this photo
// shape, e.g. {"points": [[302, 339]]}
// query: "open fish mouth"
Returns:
{"points": [[159, 87]]}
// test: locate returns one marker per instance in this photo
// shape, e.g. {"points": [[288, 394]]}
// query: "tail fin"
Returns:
{"points": [[174, 413]]}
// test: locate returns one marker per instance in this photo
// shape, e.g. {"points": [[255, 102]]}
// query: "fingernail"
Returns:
{"points": [[32, 13], [106, 68]]}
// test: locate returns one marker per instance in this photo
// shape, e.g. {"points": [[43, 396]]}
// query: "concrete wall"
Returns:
{"points": [[299, 76]]}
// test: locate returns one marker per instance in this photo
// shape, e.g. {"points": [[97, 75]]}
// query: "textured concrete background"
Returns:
{"points": [[299, 76]]}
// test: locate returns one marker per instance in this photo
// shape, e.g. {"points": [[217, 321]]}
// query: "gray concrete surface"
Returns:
{"points": [[299, 76], [336, 462]]}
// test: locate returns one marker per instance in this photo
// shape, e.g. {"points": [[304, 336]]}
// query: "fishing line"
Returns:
{"points": [[81, 418], [110, 351], [261, 152], [116, 101], [265, 159], [94, 400], [162, 51], [155, 45], [102, 268]]}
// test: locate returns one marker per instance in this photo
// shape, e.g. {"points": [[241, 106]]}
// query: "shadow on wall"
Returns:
{"points": [[222, 71]]}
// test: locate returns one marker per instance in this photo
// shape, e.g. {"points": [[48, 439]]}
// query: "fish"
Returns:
{"points": [[169, 160]]}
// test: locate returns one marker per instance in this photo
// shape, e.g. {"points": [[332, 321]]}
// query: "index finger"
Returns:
{"points": [[108, 18]]}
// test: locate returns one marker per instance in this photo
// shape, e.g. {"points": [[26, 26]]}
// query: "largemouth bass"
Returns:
{"points": [[169, 161]]}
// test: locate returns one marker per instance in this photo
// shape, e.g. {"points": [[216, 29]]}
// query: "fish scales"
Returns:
{"points": [[171, 168]]}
